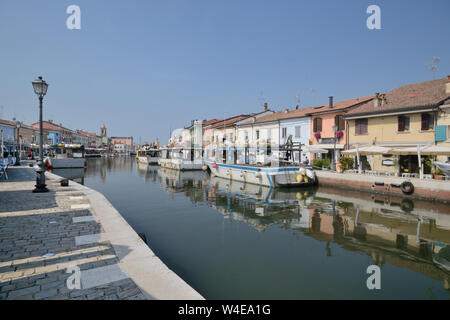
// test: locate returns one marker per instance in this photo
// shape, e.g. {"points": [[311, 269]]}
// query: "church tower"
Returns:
{"points": [[103, 130]]}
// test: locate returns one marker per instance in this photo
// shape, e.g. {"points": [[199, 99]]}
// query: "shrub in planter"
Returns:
{"points": [[317, 135], [346, 163], [438, 174], [317, 164]]}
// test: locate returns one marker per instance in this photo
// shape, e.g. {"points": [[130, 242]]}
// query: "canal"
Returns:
{"points": [[229, 240]]}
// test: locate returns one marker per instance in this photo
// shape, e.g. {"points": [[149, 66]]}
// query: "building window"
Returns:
{"points": [[283, 132], [361, 126], [269, 134], [297, 131], [257, 134], [427, 121], [403, 123], [339, 122], [317, 125]]}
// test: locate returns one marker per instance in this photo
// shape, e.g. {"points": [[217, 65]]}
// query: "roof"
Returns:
{"points": [[422, 94], [209, 122], [229, 121], [342, 105], [306, 112], [286, 114]]}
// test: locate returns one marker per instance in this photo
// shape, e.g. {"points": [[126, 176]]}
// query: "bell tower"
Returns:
{"points": [[103, 130]]}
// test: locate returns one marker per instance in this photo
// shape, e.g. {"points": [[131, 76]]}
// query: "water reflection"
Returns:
{"points": [[412, 236]]}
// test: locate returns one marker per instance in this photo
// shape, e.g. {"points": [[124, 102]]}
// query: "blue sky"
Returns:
{"points": [[143, 67]]}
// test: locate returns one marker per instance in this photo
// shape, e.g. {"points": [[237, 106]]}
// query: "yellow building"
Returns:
{"points": [[405, 116]]}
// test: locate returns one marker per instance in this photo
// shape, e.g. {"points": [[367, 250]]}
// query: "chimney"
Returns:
{"points": [[447, 85], [377, 100], [266, 106], [330, 102]]}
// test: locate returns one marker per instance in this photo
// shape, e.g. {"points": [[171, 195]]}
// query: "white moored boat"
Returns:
{"points": [[445, 167], [65, 156], [279, 176], [179, 158], [148, 155]]}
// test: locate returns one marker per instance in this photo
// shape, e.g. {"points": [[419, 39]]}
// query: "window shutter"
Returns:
{"points": [[319, 124], [424, 121], [341, 123], [315, 125], [401, 123]]}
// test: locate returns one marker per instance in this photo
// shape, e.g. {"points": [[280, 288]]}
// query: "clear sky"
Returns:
{"points": [[143, 67]]}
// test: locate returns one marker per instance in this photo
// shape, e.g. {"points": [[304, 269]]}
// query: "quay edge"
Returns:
{"points": [[136, 259], [433, 190]]}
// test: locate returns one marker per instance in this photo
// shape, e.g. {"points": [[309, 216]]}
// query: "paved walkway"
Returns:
{"points": [[41, 235]]}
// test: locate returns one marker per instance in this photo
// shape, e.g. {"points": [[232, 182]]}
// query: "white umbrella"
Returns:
{"points": [[368, 150], [429, 150], [424, 150], [313, 150]]}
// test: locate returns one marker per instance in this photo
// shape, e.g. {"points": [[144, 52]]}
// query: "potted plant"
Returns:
{"points": [[438, 174], [339, 135], [317, 135]]}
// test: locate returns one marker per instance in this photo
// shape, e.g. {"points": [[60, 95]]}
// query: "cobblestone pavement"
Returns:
{"points": [[37, 244]]}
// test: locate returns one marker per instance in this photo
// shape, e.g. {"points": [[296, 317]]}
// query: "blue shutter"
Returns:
{"points": [[440, 133]]}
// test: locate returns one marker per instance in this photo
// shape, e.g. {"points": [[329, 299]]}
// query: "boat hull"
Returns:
{"points": [[63, 163], [148, 159], [180, 164], [267, 176]]}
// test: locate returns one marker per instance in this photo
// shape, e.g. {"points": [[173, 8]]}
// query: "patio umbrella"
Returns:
{"points": [[314, 150], [365, 151], [429, 150], [432, 150], [368, 150]]}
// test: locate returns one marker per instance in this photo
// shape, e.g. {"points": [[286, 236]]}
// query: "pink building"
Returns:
{"points": [[323, 120]]}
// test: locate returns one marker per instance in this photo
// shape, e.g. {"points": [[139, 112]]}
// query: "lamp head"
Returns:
{"points": [[40, 86]]}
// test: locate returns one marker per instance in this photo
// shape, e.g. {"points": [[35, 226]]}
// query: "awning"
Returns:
{"points": [[368, 150], [313, 150], [327, 146], [424, 150]]}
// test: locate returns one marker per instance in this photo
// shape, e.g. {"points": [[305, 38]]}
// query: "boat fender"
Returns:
{"points": [[407, 205], [302, 171], [214, 166], [407, 187], [373, 186], [395, 185], [379, 183], [310, 174]]}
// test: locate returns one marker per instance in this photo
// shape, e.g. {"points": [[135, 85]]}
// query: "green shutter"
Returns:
{"points": [[440, 133]]}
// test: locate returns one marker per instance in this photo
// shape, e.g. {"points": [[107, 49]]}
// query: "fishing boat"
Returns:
{"points": [[65, 156], [268, 168], [445, 167], [93, 153], [148, 155], [181, 158]]}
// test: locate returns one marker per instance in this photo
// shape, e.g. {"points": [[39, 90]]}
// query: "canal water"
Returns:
{"points": [[229, 240]]}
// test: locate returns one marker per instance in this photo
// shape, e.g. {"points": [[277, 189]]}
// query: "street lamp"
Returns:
{"points": [[18, 125], [40, 88], [334, 149]]}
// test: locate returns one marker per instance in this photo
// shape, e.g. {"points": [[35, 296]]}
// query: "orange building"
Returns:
{"points": [[323, 120]]}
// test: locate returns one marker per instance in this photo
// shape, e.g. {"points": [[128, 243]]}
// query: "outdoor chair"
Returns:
{"points": [[3, 167], [428, 177]]}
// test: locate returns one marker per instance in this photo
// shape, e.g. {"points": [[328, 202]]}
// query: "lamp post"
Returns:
{"points": [[18, 125], [334, 149], [40, 88]]}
